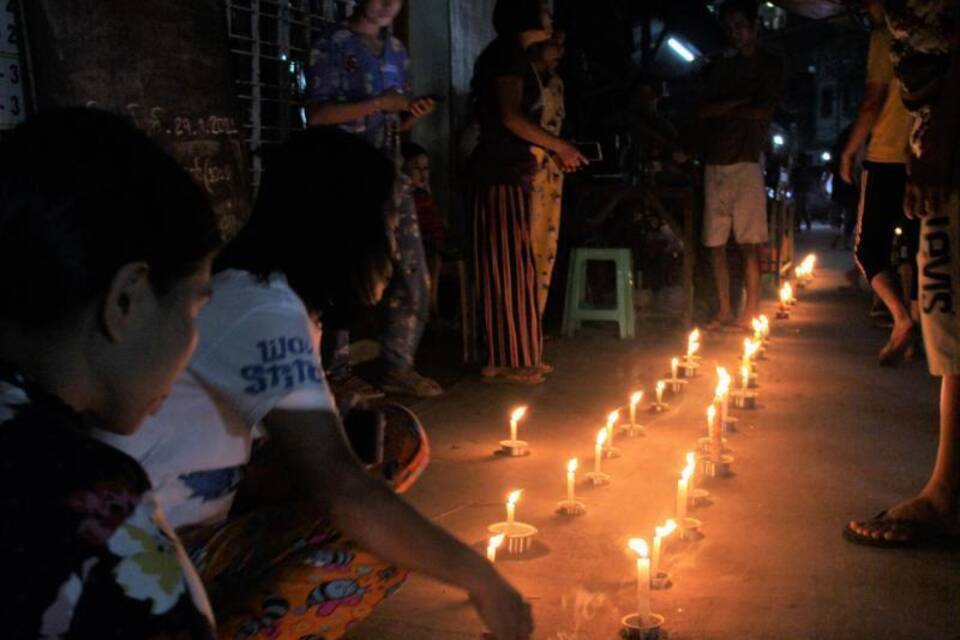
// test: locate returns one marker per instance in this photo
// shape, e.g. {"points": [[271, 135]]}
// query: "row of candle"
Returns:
{"points": [[718, 420]]}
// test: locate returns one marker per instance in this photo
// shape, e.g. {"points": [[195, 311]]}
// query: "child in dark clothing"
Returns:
{"points": [[433, 228]]}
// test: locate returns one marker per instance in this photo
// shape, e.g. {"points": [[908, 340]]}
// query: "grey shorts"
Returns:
{"points": [[736, 201], [938, 262]]}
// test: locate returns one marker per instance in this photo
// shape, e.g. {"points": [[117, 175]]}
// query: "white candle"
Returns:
{"points": [[512, 505], [683, 485], [492, 546], [598, 450], [515, 417], [635, 399], [660, 387], [674, 365], [711, 420], [744, 376], [571, 477], [639, 546], [661, 532], [612, 419]]}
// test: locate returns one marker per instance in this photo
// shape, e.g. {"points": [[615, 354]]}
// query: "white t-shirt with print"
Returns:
{"points": [[258, 351]]}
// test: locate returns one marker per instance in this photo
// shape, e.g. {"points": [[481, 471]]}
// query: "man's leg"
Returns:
{"points": [[935, 507], [721, 278], [751, 275]]}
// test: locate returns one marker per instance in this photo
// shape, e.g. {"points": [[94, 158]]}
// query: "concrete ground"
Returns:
{"points": [[836, 438]]}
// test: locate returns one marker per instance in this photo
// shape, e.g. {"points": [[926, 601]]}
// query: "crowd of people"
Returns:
{"points": [[174, 462]]}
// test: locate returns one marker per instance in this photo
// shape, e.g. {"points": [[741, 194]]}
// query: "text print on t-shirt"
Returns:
{"points": [[284, 362]]}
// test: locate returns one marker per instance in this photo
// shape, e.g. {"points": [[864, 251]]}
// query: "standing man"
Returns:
{"points": [[883, 117], [926, 60], [739, 100]]}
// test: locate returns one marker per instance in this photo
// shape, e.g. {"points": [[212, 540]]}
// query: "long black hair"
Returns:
{"points": [[82, 193], [320, 219], [511, 17]]}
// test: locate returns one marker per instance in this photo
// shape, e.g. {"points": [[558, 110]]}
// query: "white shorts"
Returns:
{"points": [[735, 200], [939, 263]]}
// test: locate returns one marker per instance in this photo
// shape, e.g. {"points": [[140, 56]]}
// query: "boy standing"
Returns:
{"points": [[738, 103]]}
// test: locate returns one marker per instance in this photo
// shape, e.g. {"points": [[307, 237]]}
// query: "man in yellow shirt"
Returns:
{"points": [[886, 121]]}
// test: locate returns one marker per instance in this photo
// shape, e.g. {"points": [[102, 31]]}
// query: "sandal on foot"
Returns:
{"points": [[908, 533], [411, 383]]}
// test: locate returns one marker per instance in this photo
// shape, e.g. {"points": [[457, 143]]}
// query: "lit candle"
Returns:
{"points": [[612, 420], [723, 393], [661, 532], [492, 545], [683, 487], [744, 376], [512, 505], [639, 546], [711, 419], [515, 417], [713, 430], [571, 477], [765, 325], [635, 399], [598, 450], [674, 365], [693, 344], [692, 465], [757, 329], [660, 387], [785, 292]]}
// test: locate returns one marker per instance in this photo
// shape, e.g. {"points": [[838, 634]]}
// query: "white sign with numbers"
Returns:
{"points": [[11, 77]]}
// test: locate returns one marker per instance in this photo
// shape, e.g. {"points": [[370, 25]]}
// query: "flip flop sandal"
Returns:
{"points": [[913, 532]]}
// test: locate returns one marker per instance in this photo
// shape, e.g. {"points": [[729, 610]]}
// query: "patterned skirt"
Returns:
{"points": [[506, 276]]}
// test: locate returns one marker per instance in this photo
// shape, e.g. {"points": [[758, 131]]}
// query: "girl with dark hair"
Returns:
{"points": [[360, 81], [106, 245], [508, 99], [286, 570]]}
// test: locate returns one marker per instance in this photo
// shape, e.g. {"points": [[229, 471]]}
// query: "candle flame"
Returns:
{"points": [[572, 465], [757, 325], [674, 363], [661, 385], [514, 496], [785, 293], [635, 398], [601, 437], [495, 541], [639, 546], [693, 342], [668, 527], [517, 414], [613, 418], [765, 324], [711, 413], [723, 382], [687, 473], [809, 262]]}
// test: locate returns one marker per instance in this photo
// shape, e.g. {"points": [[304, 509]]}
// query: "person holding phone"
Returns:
{"points": [[548, 181], [508, 101], [359, 80]]}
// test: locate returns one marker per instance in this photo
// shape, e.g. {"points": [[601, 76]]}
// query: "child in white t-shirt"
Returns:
{"points": [[283, 570]]}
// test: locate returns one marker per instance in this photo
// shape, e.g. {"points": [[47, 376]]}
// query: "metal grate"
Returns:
{"points": [[270, 46]]}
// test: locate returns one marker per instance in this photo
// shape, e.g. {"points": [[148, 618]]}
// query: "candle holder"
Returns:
{"points": [[744, 398], [636, 430], [690, 528], [661, 581], [647, 629], [518, 536], [571, 507], [676, 385], [718, 468], [658, 407], [689, 367], [515, 448], [703, 446], [598, 478]]}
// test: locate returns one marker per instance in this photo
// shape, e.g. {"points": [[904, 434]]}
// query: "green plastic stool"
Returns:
{"points": [[575, 310]]}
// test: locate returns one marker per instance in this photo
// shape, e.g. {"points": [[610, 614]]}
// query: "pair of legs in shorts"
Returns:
{"points": [[933, 512], [882, 187], [735, 203]]}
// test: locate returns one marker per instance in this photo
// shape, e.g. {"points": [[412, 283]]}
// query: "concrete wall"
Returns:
{"points": [[445, 38]]}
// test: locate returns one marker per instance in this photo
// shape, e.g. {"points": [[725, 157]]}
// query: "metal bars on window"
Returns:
{"points": [[270, 47]]}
